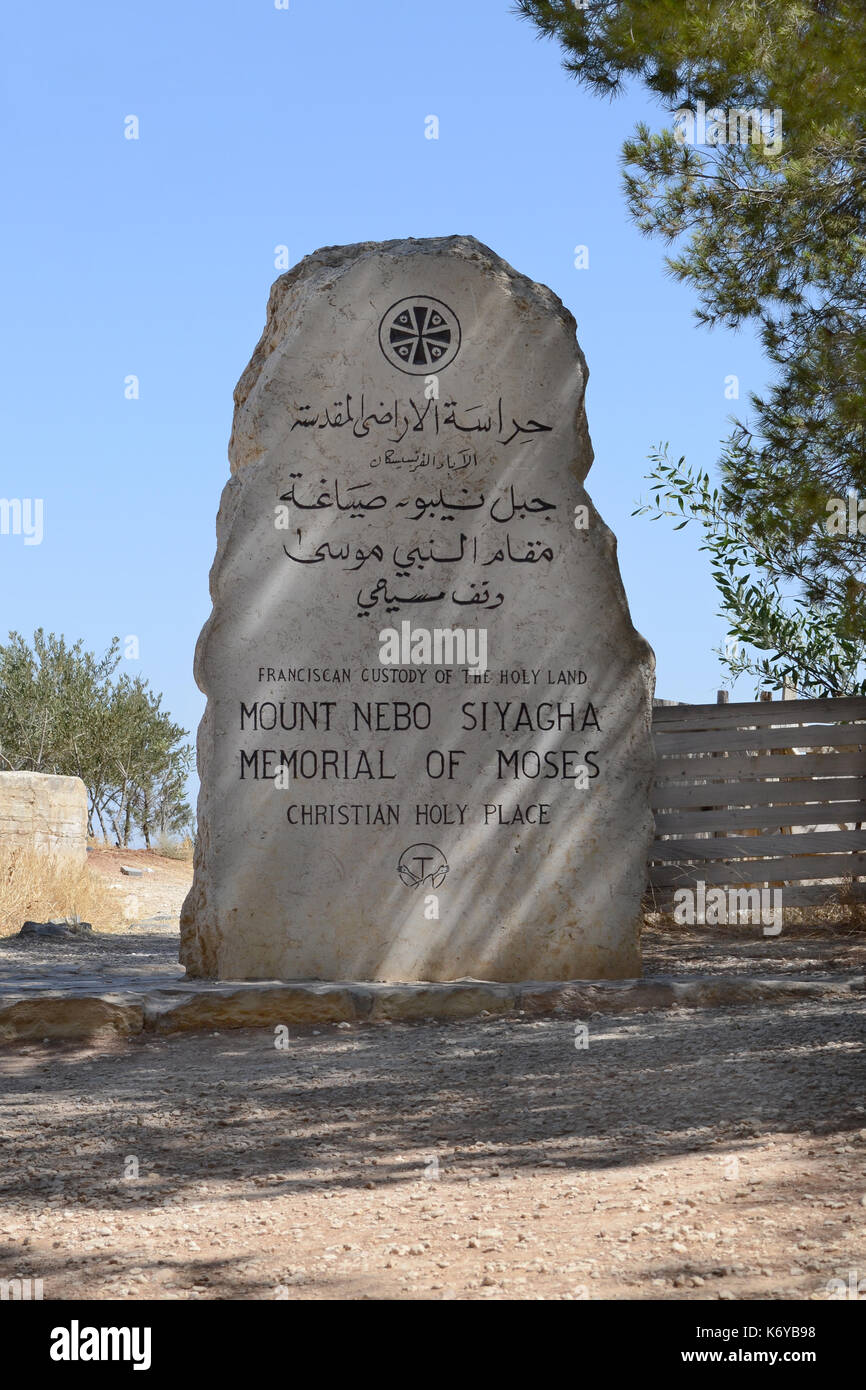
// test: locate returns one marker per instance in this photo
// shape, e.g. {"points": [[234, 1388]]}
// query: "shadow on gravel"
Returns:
{"points": [[103, 960], [373, 1104], [370, 1107]]}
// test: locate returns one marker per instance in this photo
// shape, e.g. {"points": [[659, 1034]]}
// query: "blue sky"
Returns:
{"points": [[302, 127]]}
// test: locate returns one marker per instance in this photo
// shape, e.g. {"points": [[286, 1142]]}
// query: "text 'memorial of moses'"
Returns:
{"points": [[426, 752]]}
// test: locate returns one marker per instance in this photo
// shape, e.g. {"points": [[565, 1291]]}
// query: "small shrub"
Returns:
{"points": [[170, 848]]}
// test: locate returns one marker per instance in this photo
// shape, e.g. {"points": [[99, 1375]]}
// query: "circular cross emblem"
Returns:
{"points": [[420, 864], [420, 335]]}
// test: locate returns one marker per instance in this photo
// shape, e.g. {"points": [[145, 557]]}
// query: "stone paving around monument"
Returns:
{"points": [[131, 982]]}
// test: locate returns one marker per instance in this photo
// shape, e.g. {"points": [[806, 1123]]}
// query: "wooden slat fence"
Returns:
{"points": [[761, 794]]}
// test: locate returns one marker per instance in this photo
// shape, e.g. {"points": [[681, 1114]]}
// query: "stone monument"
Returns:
{"points": [[426, 752]]}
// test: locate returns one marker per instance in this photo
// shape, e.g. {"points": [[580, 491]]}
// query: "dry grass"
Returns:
{"points": [[170, 848], [35, 886], [838, 914]]}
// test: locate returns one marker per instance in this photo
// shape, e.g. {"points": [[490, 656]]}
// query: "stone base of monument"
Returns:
{"points": [[79, 1013]]}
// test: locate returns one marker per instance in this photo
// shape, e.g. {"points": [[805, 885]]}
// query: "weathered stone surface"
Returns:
{"points": [[78, 1013], [463, 999], [260, 1007], [43, 812], [409, 448], [69, 1016]]}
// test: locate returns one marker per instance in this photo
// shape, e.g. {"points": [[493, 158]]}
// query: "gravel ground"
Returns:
{"points": [[696, 1154], [159, 891]]}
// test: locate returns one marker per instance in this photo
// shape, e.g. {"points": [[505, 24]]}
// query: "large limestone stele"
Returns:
{"points": [[408, 452]]}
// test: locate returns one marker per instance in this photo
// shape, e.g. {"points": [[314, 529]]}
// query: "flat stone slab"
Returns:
{"points": [[75, 1014], [71, 1016]]}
